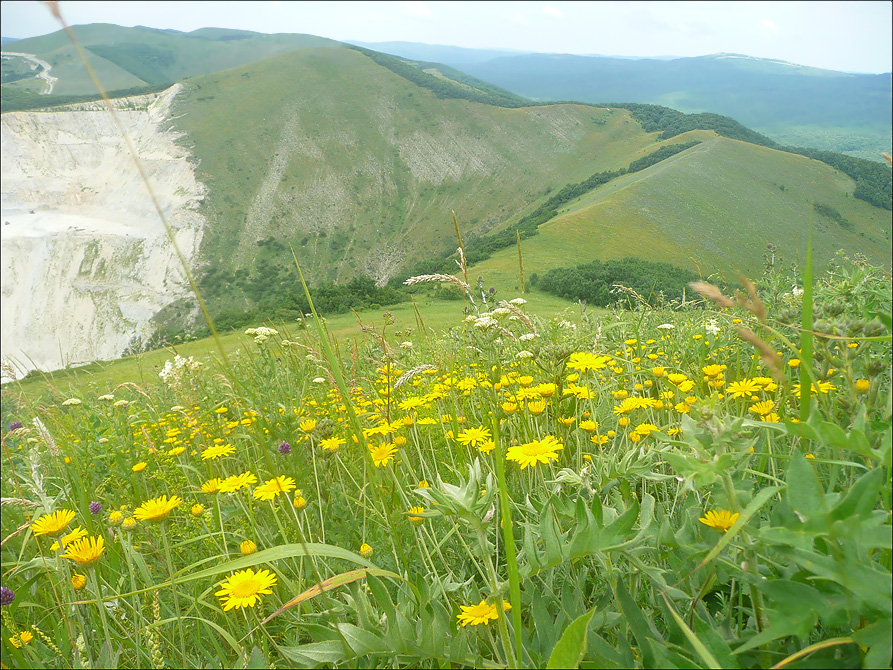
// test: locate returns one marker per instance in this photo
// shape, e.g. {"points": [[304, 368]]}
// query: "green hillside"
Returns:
{"points": [[795, 105], [712, 208], [358, 169], [129, 57]]}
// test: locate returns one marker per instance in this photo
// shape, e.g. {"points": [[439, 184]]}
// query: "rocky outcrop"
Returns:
{"points": [[86, 260]]}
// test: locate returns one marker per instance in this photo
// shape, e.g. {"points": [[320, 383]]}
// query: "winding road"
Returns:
{"points": [[44, 74]]}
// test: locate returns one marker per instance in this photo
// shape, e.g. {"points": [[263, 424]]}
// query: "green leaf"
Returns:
{"points": [[699, 647], [314, 653], [570, 648], [860, 499], [361, 641], [256, 661], [637, 623], [876, 638], [805, 495]]}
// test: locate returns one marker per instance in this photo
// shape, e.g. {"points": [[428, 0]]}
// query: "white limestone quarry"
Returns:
{"points": [[86, 261]]}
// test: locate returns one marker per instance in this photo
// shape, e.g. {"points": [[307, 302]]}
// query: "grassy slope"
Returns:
{"points": [[181, 55], [714, 206], [102, 377], [344, 159]]}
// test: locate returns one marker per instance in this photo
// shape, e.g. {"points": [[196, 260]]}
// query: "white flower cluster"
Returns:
{"points": [[523, 355], [261, 334], [70, 402], [406, 345], [712, 328], [666, 326], [485, 322], [526, 337], [172, 372]]}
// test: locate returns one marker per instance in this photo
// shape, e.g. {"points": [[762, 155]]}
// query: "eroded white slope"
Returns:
{"points": [[86, 261]]}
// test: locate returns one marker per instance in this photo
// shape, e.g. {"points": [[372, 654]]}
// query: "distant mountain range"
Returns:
{"points": [[792, 104]]}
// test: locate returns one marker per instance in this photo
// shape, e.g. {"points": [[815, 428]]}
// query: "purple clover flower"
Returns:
{"points": [[95, 507], [6, 596], [15, 425], [285, 448]]}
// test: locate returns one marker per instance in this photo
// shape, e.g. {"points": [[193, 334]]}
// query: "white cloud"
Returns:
{"points": [[770, 25], [549, 10], [417, 8], [520, 18]]}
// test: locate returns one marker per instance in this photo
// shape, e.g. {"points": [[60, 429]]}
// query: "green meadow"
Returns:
{"points": [[472, 484]]}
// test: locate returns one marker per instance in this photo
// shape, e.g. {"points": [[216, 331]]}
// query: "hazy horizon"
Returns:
{"points": [[842, 36]]}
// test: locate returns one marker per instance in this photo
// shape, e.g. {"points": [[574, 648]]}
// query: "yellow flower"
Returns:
{"points": [[198, 510], [487, 447], [482, 613], [423, 484], [862, 385], [156, 509], [73, 536], [274, 487], [217, 451], [78, 581], [52, 524], [221, 410], [658, 371], [139, 467], [589, 426], [473, 436], [365, 550], [85, 551], [416, 519], [19, 639], [247, 547], [538, 451], [237, 482], [211, 486], [645, 429], [332, 443], [584, 361], [536, 406], [307, 425], [721, 519], [115, 518], [300, 502], [128, 523], [509, 407], [382, 454], [713, 370], [243, 589], [676, 378], [794, 362], [762, 408]]}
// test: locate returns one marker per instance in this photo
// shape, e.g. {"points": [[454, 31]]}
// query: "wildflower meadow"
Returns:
{"points": [[704, 483]]}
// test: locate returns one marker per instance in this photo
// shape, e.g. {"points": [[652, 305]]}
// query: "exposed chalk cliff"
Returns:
{"points": [[86, 261]]}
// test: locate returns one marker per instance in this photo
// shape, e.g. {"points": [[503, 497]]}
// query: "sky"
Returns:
{"points": [[848, 36]]}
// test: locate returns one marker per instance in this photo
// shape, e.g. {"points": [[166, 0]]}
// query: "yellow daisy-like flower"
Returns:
{"points": [[743, 388], [721, 519], [274, 487], [78, 581], [211, 486], [676, 378], [365, 550], [237, 482], [300, 502], [85, 551], [198, 510], [645, 429], [584, 361], [19, 639], [474, 436], [221, 410], [73, 536], [52, 524], [536, 406], [129, 523], [176, 451], [589, 425], [217, 451], [416, 519], [139, 467], [247, 547], [243, 589], [115, 517], [332, 443], [487, 447], [156, 509], [307, 425], [382, 454], [538, 451], [762, 408], [482, 613], [862, 385]]}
